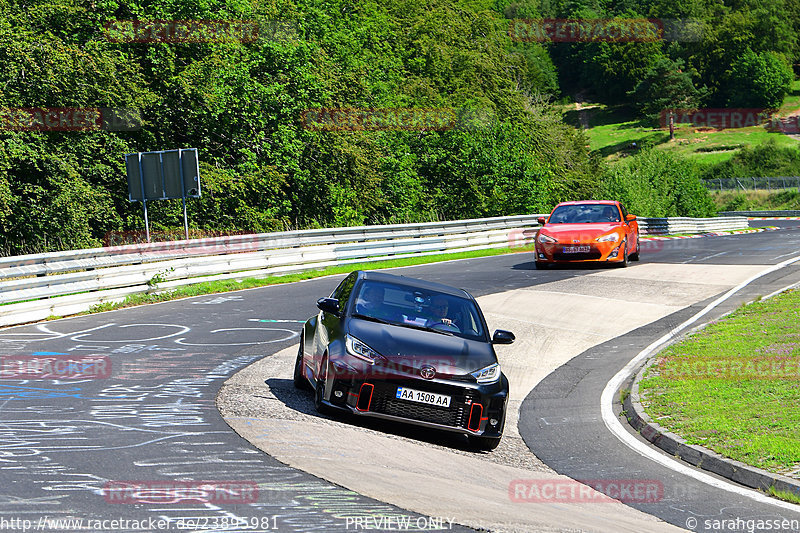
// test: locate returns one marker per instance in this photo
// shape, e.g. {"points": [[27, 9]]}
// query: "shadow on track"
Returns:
{"points": [[302, 401]]}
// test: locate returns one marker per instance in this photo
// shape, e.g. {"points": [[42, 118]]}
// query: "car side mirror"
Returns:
{"points": [[542, 220], [329, 305], [630, 218], [502, 336]]}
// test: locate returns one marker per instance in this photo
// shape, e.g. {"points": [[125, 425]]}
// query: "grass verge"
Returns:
{"points": [[783, 495], [734, 386], [212, 287]]}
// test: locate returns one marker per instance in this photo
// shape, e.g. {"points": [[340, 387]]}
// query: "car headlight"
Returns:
{"points": [[490, 374], [611, 237], [546, 239], [358, 349]]}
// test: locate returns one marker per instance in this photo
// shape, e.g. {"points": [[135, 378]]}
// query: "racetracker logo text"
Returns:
{"points": [[69, 119], [181, 492], [586, 30], [196, 31], [556, 30], [585, 491], [399, 367], [354, 119], [55, 366], [727, 118]]}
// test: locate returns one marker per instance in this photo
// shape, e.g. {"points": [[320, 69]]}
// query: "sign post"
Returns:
{"points": [[163, 175]]}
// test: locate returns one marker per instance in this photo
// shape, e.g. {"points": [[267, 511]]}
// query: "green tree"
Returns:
{"points": [[655, 183], [759, 80], [666, 86]]}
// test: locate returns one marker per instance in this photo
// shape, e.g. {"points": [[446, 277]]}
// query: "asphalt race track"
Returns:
{"points": [[67, 443], [561, 421]]}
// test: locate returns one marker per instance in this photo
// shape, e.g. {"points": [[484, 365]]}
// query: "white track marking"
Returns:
{"points": [[292, 334], [183, 329], [615, 426]]}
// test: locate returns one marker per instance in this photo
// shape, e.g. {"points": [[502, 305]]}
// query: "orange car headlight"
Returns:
{"points": [[611, 237], [546, 239]]}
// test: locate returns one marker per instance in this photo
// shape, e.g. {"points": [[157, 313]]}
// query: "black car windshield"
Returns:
{"points": [[419, 308], [584, 213]]}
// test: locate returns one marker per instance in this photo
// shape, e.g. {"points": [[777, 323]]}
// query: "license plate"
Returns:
{"points": [[430, 398], [575, 249]]}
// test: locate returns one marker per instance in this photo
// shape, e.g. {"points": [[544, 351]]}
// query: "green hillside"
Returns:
{"points": [[510, 146], [617, 131]]}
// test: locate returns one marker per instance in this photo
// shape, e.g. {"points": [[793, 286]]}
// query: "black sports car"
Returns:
{"points": [[409, 350]]}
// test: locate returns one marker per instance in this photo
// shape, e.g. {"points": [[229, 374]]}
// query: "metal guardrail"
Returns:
{"points": [[34, 287], [675, 225], [753, 183]]}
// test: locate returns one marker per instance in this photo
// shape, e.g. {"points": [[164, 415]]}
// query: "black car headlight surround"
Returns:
{"points": [[360, 350], [489, 374], [547, 239]]}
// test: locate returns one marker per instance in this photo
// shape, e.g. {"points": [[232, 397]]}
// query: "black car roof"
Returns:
{"points": [[413, 282]]}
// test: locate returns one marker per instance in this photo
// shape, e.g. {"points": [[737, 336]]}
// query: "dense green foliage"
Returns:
{"points": [[766, 159], [741, 51], [658, 184], [241, 103], [759, 80], [666, 86], [737, 200]]}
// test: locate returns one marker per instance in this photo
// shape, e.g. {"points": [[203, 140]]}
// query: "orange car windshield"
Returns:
{"points": [[584, 214]]}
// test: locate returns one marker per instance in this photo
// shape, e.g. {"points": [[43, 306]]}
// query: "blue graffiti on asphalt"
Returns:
{"points": [[19, 392]]}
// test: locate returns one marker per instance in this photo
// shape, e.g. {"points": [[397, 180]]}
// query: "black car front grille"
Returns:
{"points": [[580, 256], [384, 401]]}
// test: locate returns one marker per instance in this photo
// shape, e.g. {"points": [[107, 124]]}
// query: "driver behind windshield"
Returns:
{"points": [[439, 310]]}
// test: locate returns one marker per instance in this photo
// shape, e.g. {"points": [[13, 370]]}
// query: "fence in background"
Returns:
{"points": [[768, 214], [753, 184], [34, 287]]}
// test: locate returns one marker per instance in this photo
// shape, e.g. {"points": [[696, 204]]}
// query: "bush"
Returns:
{"points": [[654, 183], [767, 159], [759, 80]]}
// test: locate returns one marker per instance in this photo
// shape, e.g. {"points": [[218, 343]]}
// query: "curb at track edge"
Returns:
{"points": [[629, 373]]}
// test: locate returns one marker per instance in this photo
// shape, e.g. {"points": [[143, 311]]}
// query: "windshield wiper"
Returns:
{"points": [[372, 318], [426, 328]]}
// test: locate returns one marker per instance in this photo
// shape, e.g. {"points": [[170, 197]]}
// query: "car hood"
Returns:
{"points": [[410, 348], [579, 232]]}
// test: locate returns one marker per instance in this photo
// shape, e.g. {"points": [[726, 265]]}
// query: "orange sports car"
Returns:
{"points": [[590, 230]]}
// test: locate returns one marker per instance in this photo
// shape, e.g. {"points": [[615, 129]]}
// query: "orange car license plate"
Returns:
{"points": [[575, 249]]}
